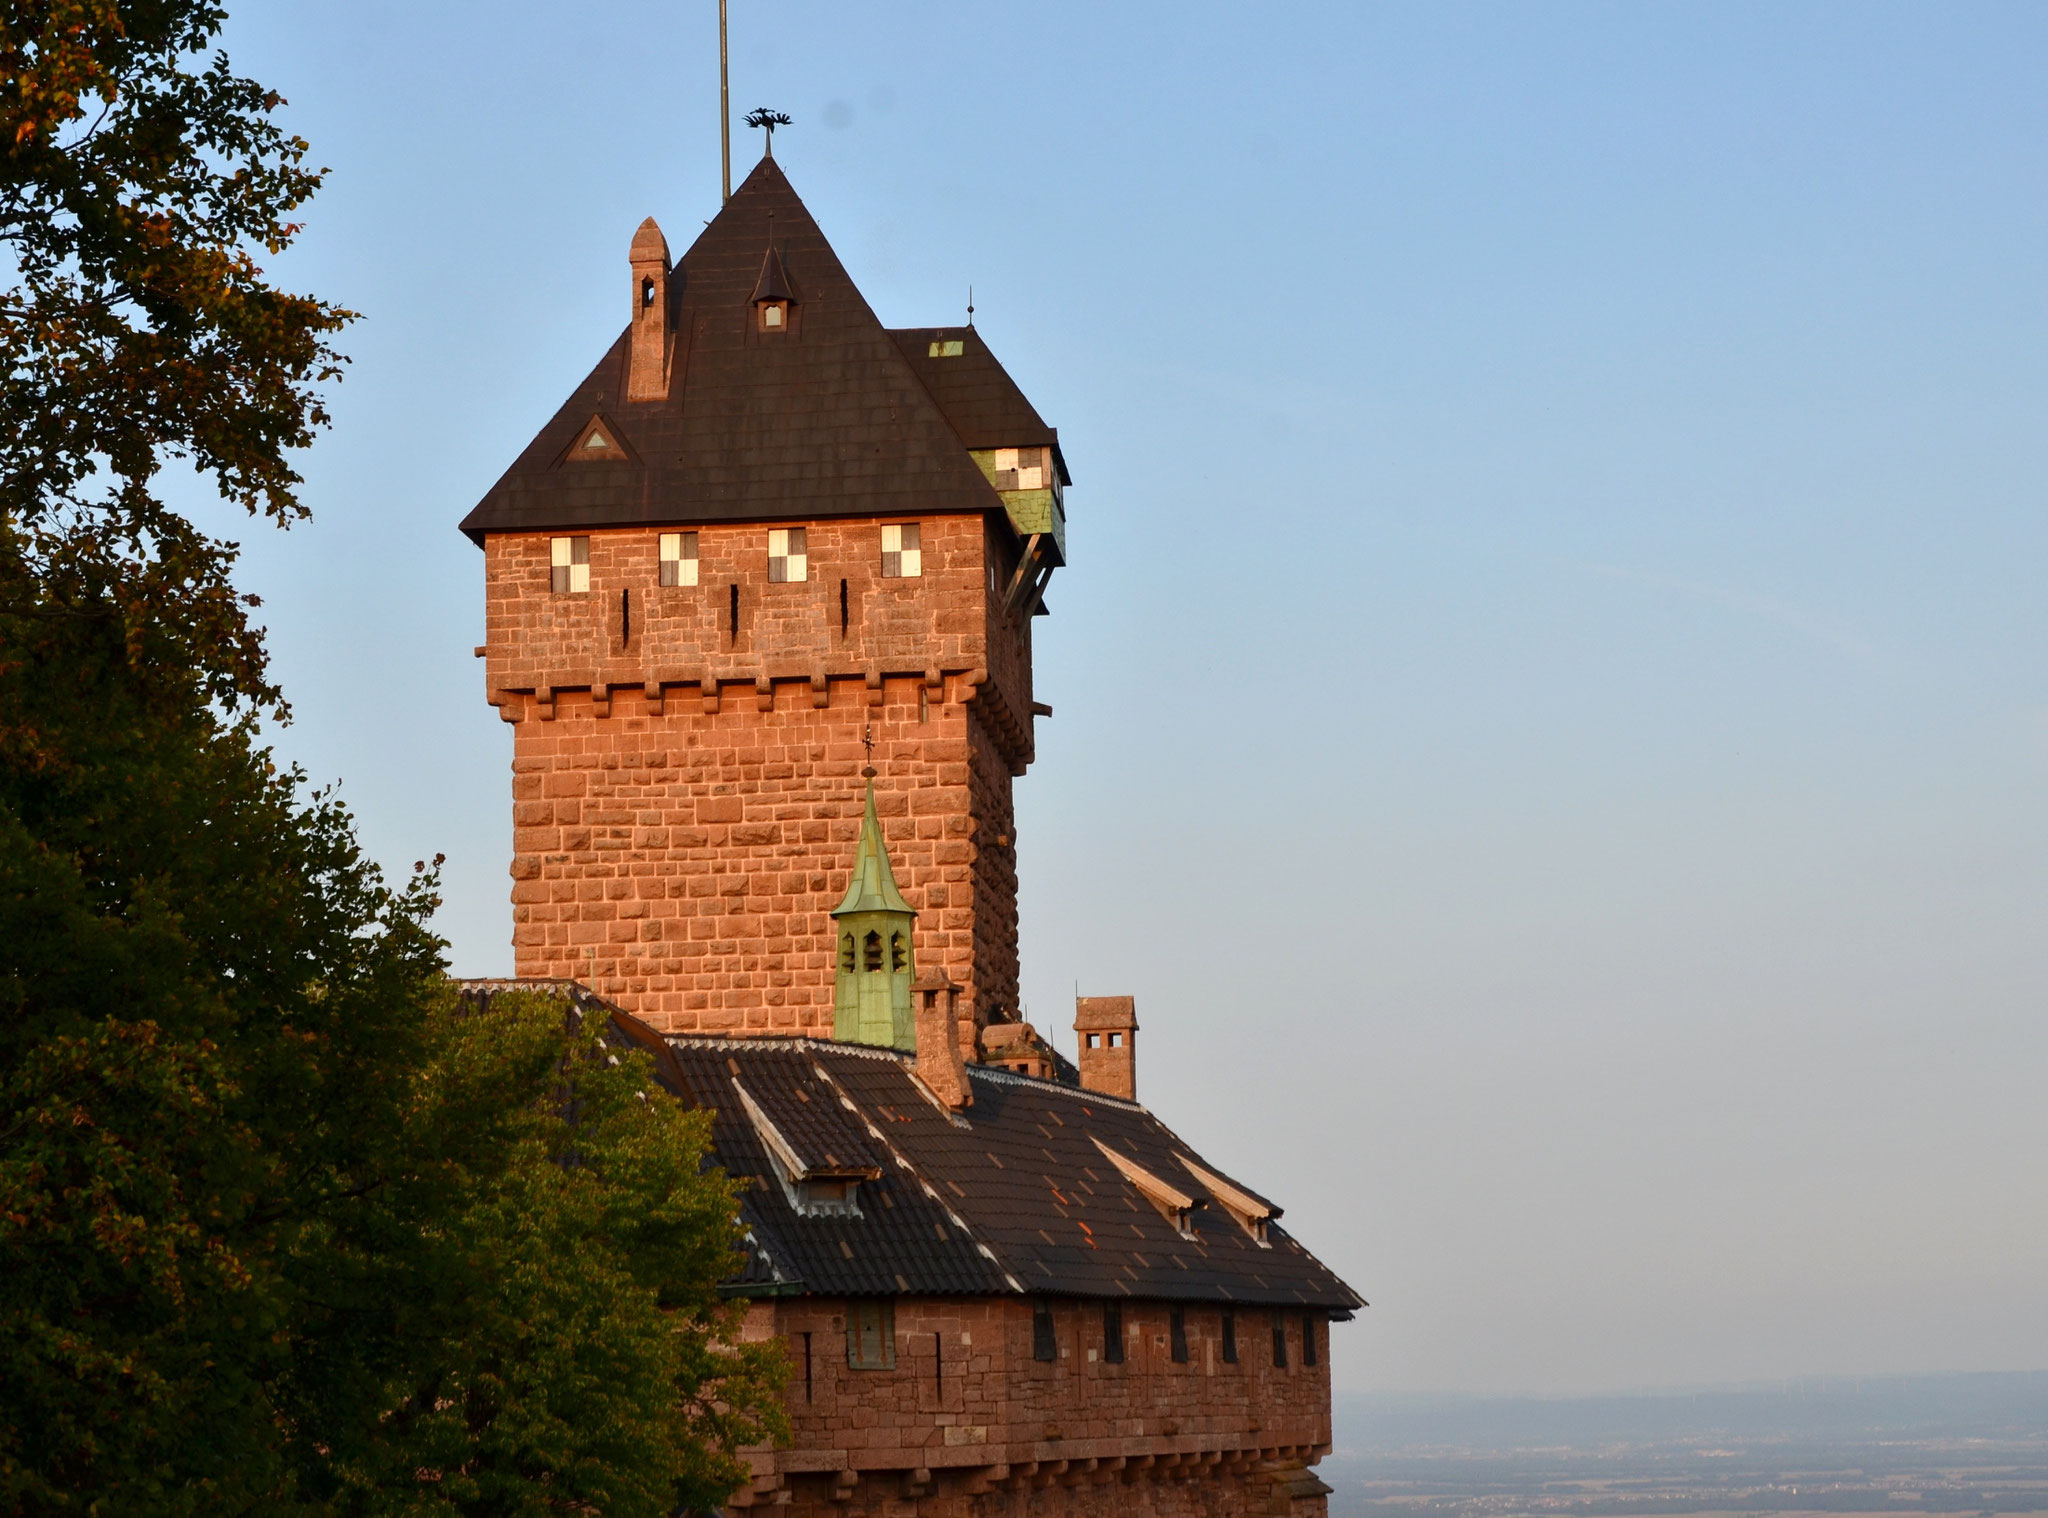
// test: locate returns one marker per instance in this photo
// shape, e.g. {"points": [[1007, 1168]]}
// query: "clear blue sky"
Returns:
{"points": [[1552, 689]]}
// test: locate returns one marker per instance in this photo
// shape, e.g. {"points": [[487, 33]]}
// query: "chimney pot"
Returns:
{"points": [[1106, 1036], [652, 343], [939, 1064]]}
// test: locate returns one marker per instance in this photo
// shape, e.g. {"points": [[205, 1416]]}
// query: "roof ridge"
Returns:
{"points": [[1080, 1093]]}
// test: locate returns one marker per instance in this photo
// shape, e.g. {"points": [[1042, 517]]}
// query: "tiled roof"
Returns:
{"points": [[976, 392], [825, 419], [1012, 1196]]}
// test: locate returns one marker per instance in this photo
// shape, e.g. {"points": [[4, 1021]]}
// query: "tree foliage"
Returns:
{"points": [[285, 1224], [139, 183]]}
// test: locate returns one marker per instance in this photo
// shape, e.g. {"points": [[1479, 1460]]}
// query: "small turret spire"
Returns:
{"points": [[871, 1001]]}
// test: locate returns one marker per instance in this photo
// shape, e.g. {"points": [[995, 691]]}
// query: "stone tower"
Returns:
{"points": [[762, 532]]}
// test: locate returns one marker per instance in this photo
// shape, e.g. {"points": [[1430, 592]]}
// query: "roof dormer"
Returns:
{"points": [[821, 1188], [1175, 1205], [774, 301], [1252, 1213]]}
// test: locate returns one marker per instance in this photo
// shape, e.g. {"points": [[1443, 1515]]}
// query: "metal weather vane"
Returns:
{"points": [[767, 121]]}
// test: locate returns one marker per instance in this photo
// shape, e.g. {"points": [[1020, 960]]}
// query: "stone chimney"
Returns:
{"points": [[939, 1064], [647, 364], [1106, 1029]]}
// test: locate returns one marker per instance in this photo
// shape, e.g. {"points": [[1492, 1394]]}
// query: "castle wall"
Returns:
{"points": [[686, 802], [969, 1421]]}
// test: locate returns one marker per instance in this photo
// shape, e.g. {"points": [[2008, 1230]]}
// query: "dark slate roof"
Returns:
{"points": [[976, 392], [826, 419], [1014, 1196]]}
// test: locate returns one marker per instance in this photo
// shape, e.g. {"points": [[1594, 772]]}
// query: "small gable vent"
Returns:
{"points": [[597, 441]]}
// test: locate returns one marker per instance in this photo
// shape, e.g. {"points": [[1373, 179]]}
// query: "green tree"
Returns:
{"points": [[284, 1223]]}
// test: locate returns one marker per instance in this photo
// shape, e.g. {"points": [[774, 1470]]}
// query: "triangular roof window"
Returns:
{"points": [[598, 440]]}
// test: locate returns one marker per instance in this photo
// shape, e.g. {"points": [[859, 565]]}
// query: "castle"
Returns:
{"points": [[759, 609]]}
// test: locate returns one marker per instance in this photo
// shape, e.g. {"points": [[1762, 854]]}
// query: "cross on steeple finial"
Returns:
{"points": [[767, 121], [867, 741]]}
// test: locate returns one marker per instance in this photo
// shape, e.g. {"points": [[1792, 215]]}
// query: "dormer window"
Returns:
{"points": [[773, 296], [1175, 1205], [828, 1188], [1250, 1213], [569, 574]]}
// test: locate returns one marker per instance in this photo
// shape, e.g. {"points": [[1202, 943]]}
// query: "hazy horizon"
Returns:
{"points": [[1551, 693]]}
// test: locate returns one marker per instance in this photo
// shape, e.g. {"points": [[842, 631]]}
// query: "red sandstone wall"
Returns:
{"points": [[680, 849], [995, 1431]]}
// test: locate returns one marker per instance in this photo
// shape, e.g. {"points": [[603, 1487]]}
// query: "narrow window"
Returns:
{"points": [[846, 952], [807, 1367], [735, 613], [899, 954], [902, 555], [786, 561], [1116, 1040], [871, 1334], [1045, 1344], [842, 608], [871, 952], [1308, 1338], [1177, 1334], [1113, 1333], [571, 571], [1229, 1336], [1280, 1340], [625, 616], [679, 558]]}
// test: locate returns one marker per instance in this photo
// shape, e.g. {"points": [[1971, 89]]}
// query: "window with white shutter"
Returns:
{"points": [[1021, 468], [786, 561], [570, 573], [902, 554], [679, 558]]}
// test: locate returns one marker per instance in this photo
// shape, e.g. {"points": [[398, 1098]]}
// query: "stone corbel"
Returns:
{"points": [[981, 1482], [764, 694], [843, 1483], [656, 699], [874, 687], [709, 686], [544, 699], [601, 698], [821, 692], [511, 706]]}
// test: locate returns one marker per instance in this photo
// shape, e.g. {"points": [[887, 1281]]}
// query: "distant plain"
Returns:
{"points": [[1936, 1444]]}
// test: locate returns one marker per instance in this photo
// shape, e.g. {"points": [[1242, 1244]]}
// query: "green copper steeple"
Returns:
{"points": [[871, 992]]}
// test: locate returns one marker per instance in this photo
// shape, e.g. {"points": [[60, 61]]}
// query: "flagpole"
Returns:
{"points": [[724, 116]]}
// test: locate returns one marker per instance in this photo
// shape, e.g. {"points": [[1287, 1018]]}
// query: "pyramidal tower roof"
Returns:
{"points": [[826, 418], [873, 887]]}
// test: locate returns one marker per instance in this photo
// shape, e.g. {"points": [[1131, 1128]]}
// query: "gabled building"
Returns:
{"points": [[759, 607]]}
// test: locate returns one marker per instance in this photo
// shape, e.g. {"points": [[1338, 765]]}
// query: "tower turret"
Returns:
{"points": [[871, 992]]}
